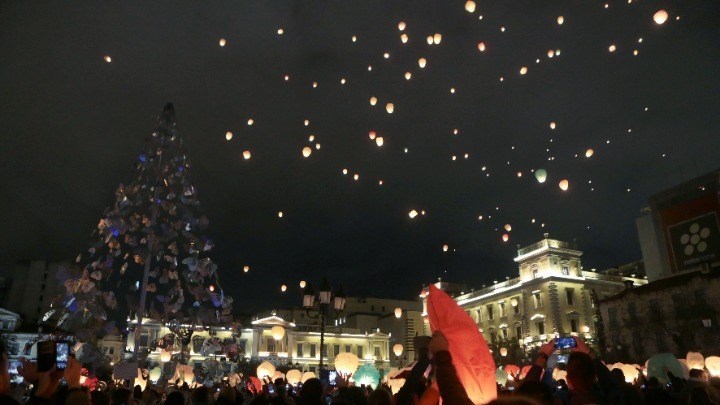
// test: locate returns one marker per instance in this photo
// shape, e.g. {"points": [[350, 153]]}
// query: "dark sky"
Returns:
{"points": [[72, 125]]}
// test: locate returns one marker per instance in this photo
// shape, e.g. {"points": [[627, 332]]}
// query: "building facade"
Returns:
{"points": [[552, 296], [37, 279]]}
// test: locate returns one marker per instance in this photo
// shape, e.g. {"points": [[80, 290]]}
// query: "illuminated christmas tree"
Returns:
{"points": [[151, 240]]}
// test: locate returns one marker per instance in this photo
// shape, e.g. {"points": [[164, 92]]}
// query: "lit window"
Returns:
{"points": [[565, 270], [537, 300]]}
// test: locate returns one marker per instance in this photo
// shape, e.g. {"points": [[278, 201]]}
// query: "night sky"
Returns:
{"points": [[72, 125]]}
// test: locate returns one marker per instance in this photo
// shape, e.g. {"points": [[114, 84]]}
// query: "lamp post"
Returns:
{"points": [[318, 306]]}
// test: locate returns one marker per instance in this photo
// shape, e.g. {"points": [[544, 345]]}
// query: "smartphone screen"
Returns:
{"points": [[271, 388], [62, 350], [45, 355], [562, 358], [564, 343], [332, 376]]}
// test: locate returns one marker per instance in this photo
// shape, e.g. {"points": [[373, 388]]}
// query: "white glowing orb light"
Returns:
{"points": [[311, 138], [346, 363], [303, 283], [228, 135], [390, 108], [293, 376], [222, 42], [612, 48], [265, 369], [398, 312], [280, 214], [307, 151], [283, 288], [564, 185], [589, 153], [107, 58], [247, 155], [398, 349], [553, 125], [523, 70], [422, 62], [560, 20], [660, 17], [412, 214], [379, 141], [470, 6]]}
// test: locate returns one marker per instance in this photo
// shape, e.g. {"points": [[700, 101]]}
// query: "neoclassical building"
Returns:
{"points": [[552, 296]]}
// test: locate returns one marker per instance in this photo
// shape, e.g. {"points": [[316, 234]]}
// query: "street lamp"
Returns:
{"points": [[317, 306]]}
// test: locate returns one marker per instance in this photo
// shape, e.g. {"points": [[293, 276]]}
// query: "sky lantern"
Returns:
{"points": [[386, 55], [250, 121], [302, 283], [422, 62], [589, 153], [379, 141], [503, 351], [373, 100], [390, 108], [541, 175], [228, 135], [508, 227], [265, 369], [280, 31], [356, 177], [481, 46], [107, 58], [283, 288], [222, 42], [429, 39], [560, 20], [695, 360], [552, 125], [470, 6], [306, 122], [408, 75], [165, 355], [523, 70], [412, 214], [550, 53], [398, 312], [660, 17], [505, 237], [445, 248], [346, 363], [612, 48], [247, 155], [246, 269], [344, 171], [564, 184], [404, 38], [311, 138], [293, 376], [437, 38], [402, 25], [306, 151], [398, 349], [372, 135], [712, 363], [354, 38]]}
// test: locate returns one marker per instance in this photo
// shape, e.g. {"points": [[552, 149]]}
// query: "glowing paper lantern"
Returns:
{"points": [[402, 25], [372, 134], [293, 376], [307, 151], [283, 288], [550, 53], [695, 360], [445, 248], [107, 58], [471, 356], [481, 46], [657, 363], [429, 39], [630, 372], [512, 370], [140, 380], [470, 6], [277, 332], [346, 363], [265, 369], [303, 284], [398, 312], [508, 227], [408, 75], [552, 125], [165, 355], [503, 351], [246, 268], [523, 70], [501, 376], [222, 42], [250, 121], [228, 135], [589, 153], [541, 175], [422, 62], [559, 374], [404, 38], [379, 141], [437, 38], [398, 349], [154, 374], [560, 20], [367, 374], [306, 376], [247, 155], [505, 237], [412, 214], [280, 214], [373, 100], [660, 17], [390, 108], [564, 184], [712, 363], [612, 48]]}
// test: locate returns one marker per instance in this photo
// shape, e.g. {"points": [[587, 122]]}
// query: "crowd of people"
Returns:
{"points": [[587, 381]]}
